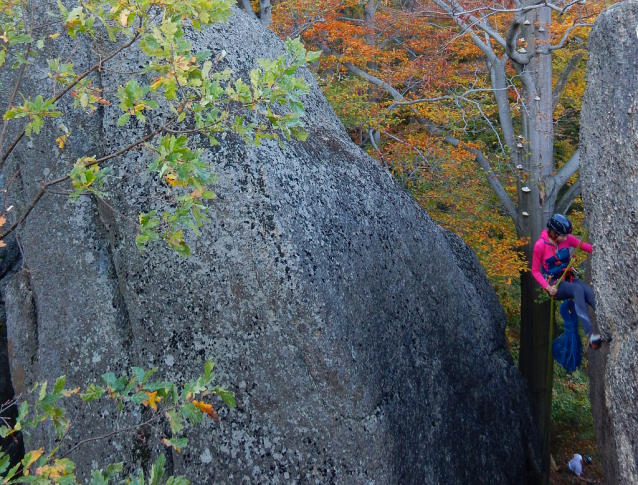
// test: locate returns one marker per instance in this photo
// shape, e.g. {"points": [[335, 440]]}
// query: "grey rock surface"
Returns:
{"points": [[609, 123], [362, 341]]}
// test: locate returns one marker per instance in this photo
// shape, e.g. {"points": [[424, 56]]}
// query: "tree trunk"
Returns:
{"points": [[247, 7], [533, 358], [265, 12], [369, 11], [538, 160]]}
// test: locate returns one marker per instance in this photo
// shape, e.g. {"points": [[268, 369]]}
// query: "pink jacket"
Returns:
{"points": [[544, 249]]}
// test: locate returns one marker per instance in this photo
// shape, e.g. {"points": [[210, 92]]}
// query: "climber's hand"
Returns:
{"points": [[552, 290]]}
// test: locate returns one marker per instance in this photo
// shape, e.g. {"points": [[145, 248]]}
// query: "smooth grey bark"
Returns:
{"points": [[369, 11], [246, 6], [265, 12]]}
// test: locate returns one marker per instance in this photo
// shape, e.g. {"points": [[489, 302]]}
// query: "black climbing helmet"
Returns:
{"points": [[588, 460], [560, 224]]}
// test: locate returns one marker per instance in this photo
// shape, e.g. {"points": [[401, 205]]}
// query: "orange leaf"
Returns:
{"points": [[206, 408]]}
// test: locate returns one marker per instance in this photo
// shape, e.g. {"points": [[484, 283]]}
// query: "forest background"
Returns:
{"points": [[412, 84]]}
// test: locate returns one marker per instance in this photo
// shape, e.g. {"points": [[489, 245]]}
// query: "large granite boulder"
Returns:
{"points": [[609, 124], [363, 342]]}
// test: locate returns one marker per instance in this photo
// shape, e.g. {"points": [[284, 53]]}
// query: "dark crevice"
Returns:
{"points": [[107, 232], [10, 263], [103, 224]]}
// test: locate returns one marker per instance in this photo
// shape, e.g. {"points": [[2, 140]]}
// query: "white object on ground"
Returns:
{"points": [[576, 464]]}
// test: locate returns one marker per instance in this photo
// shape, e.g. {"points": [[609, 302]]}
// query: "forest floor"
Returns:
{"points": [[573, 426]]}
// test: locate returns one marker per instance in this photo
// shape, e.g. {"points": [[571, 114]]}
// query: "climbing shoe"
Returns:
{"points": [[594, 341]]}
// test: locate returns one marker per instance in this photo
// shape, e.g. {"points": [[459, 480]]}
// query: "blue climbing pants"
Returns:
{"points": [[582, 295]]}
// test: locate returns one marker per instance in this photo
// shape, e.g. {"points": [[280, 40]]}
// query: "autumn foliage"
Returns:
{"points": [[413, 47]]}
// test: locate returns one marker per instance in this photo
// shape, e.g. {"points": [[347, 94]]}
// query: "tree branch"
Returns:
{"points": [[396, 95], [5, 124], [511, 39], [45, 185], [123, 430], [68, 88], [454, 12], [483, 162], [565, 202], [493, 180], [478, 22], [564, 78], [499, 83], [565, 37], [308, 25], [565, 173]]}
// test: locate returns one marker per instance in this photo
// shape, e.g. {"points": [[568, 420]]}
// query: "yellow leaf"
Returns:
{"points": [[124, 17], [70, 392], [53, 36], [171, 445], [157, 83], [171, 178], [30, 458], [61, 141], [152, 401]]}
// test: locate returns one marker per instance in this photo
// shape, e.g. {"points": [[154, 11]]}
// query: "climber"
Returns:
{"points": [[552, 256]]}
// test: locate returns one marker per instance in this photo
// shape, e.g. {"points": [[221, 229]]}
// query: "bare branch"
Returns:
{"points": [[480, 23], [564, 39], [302, 28], [568, 198], [155, 417], [435, 130], [565, 173], [454, 13], [396, 95], [493, 180], [448, 96], [564, 78], [500, 85]]}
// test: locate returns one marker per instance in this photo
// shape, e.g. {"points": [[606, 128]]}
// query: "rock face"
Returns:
{"points": [[363, 342], [609, 123]]}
